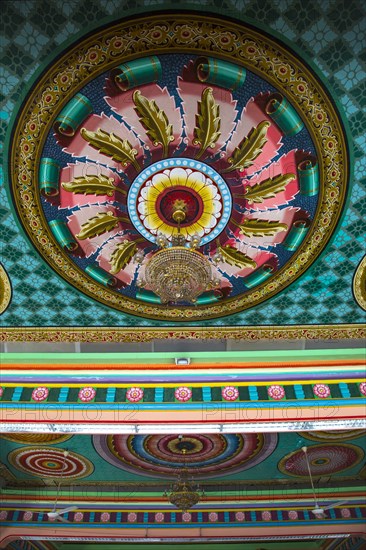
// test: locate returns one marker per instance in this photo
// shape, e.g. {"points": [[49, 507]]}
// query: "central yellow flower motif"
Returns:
{"points": [[195, 193]]}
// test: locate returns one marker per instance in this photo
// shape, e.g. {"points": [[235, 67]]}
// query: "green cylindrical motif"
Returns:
{"points": [[308, 178], [207, 298], [63, 235], [260, 275], [137, 72], [49, 174], [100, 275], [148, 296], [220, 73], [73, 115], [296, 235], [284, 115]]}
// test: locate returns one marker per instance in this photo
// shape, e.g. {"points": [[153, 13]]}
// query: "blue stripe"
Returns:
{"points": [[159, 395], [199, 517], [206, 394], [344, 389], [253, 516], [299, 392], [146, 517], [253, 393], [91, 517], [17, 393], [62, 397], [226, 517], [111, 394], [188, 406]]}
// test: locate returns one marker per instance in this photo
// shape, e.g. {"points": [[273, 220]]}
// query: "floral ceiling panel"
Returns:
{"points": [[178, 168]]}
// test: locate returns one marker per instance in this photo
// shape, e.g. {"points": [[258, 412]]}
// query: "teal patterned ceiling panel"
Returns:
{"points": [[329, 35]]}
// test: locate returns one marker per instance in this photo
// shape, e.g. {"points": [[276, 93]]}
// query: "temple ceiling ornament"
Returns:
{"points": [[179, 171]]}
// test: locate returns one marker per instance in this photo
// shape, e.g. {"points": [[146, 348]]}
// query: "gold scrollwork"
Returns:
{"points": [[359, 284], [5, 290]]}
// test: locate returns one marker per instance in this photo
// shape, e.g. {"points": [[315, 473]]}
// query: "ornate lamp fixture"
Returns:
{"points": [[179, 273], [184, 493]]}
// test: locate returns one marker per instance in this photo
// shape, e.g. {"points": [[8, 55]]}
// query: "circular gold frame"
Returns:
{"points": [[247, 46]]}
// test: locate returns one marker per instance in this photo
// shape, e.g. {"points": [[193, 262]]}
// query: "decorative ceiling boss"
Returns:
{"points": [[179, 179]]}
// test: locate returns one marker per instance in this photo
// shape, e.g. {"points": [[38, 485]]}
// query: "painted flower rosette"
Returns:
{"points": [[213, 516], [105, 517], [266, 516], [363, 388], [87, 394], [131, 517], [183, 394], [40, 394], [230, 393], [321, 390], [134, 394], [159, 517], [186, 517], [240, 516], [276, 392]]}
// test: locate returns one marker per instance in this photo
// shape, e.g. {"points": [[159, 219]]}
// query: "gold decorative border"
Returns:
{"points": [[359, 284], [207, 35], [5, 290], [144, 334]]}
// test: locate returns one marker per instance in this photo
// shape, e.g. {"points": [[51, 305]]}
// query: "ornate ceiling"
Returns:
{"points": [[204, 136], [173, 173]]}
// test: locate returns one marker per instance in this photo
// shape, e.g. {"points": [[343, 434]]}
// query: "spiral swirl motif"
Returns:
{"points": [[323, 459], [205, 456], [49, 462]]}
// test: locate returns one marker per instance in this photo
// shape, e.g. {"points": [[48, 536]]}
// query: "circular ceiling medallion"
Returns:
{"points": [[32, 438], [50, 462], [205, 456], [183, 184], [333, 435], [138, 122], [323, 459]]}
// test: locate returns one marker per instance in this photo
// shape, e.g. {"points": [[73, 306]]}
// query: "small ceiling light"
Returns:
{"points": [[182, 361]]}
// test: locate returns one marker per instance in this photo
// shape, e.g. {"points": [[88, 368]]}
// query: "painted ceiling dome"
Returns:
{"points": [[121, 133]]}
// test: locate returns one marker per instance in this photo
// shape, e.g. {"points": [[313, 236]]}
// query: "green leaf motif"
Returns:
{"points": [[111, 145], [101, 223], [268, 188], [154, 120], [206, 132], [261, 228], [249, 148], [122, 255], [92, 185], [232, 256]]}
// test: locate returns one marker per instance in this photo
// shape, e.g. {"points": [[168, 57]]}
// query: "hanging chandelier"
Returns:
{"points": [[178, 272], [184, 493]]}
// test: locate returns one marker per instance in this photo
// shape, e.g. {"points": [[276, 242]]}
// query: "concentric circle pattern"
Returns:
{"points": [[36, 438], [323, 459], [49, 462], [242, 143], [333, 435], [204, 455]]}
